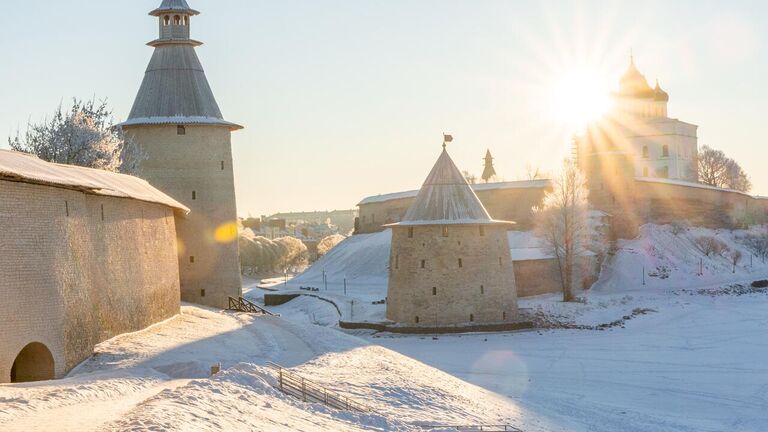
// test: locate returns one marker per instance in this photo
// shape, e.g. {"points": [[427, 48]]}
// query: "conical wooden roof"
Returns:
{"points": [[175, 89], [446, 198]]}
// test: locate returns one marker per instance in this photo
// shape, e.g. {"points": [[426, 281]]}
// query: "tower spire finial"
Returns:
{"points": [[446, 139]]}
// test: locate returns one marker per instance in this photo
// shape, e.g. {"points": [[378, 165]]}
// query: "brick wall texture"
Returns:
{"points": [[196, 170], [77, 269], [480, 289]]}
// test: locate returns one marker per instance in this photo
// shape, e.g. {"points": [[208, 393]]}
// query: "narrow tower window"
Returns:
{"points": [[461, 263], [194, 195], [471, 317], [417, 319], [202, 292], [102, 212], [166, 20], [176, 19], [181, 130], [192, 259], [222, 165], [66, 207], [186, 20], [423, 263], [482, 289], [410, 232], [434, 290]]}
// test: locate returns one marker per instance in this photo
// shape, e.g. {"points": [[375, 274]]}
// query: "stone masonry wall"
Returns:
{"points": [[480, 289], [196, 170], [70, 279]]}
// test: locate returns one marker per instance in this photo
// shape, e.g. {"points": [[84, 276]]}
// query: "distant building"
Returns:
{"points": [[638, 126], [449, 261], [179, 125], [489, 172], [87, 255]]}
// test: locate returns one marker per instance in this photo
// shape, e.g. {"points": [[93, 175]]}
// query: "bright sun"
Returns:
{"points": [[580, 96]]}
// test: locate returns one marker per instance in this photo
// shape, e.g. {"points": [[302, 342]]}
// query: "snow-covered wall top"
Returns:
{"points": [[30, 169], [684, 183], [524, 184]]}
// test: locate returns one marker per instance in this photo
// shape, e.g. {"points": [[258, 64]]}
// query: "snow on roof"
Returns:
{"points": [[30, 169], [446, 198], [688, 184], [522, 184], [179, 120]]}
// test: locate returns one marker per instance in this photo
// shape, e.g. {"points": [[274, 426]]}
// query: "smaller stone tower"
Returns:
{"points": [[488, 172], [450, 262]]}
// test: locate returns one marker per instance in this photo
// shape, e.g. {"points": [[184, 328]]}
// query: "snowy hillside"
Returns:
{"points": [[671, 259]]}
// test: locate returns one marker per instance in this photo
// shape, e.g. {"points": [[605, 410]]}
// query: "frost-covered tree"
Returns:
{"points": [[717, 169], [328, 243], [83, 135], [562, 221]]}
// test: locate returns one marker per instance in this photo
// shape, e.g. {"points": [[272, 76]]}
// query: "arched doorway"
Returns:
{"points": [[34, 363]]}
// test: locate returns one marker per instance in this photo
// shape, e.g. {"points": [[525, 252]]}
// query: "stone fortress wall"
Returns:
{"points": [[510, 201], [77, 269], [429, 285], [629, 203]]}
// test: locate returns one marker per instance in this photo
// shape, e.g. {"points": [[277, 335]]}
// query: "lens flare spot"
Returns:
{"points": [[226, 233], [504, 371]]}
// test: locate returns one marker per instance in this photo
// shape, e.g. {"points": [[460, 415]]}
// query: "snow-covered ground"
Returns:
{"points": [[693, 360], [157, 379]]}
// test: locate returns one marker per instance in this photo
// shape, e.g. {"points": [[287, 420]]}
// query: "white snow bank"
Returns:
{"points": [[664, 259], [27, 168]]}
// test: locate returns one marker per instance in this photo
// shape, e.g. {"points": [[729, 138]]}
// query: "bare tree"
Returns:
{"points": [[717, 169], [84, 135], [471, 178], [563, 224], [532, 173], [735, 257]]}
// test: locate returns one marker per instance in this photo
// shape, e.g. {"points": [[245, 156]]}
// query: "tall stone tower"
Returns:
{"points": [[177, 122], [450, 262]]}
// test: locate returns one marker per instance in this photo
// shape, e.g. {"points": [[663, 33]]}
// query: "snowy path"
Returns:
{"points": [[88, 416], [134, 368]]}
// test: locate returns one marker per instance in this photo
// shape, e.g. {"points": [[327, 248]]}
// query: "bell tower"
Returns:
{"points": [[177, 122]]}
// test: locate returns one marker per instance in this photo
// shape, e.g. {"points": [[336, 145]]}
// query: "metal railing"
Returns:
{"points": [[473, 428], [308, 391], [242, 305]]}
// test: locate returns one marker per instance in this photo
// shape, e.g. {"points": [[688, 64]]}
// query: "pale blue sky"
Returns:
{"points": [[343, 99]]}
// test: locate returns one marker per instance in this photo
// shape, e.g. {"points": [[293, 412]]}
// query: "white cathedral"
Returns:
{"points": [[661, 146]]}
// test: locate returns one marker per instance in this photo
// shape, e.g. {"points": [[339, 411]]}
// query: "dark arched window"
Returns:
{"points": [[166, 20], [665, 151], [176, 19], [186, 20]]}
